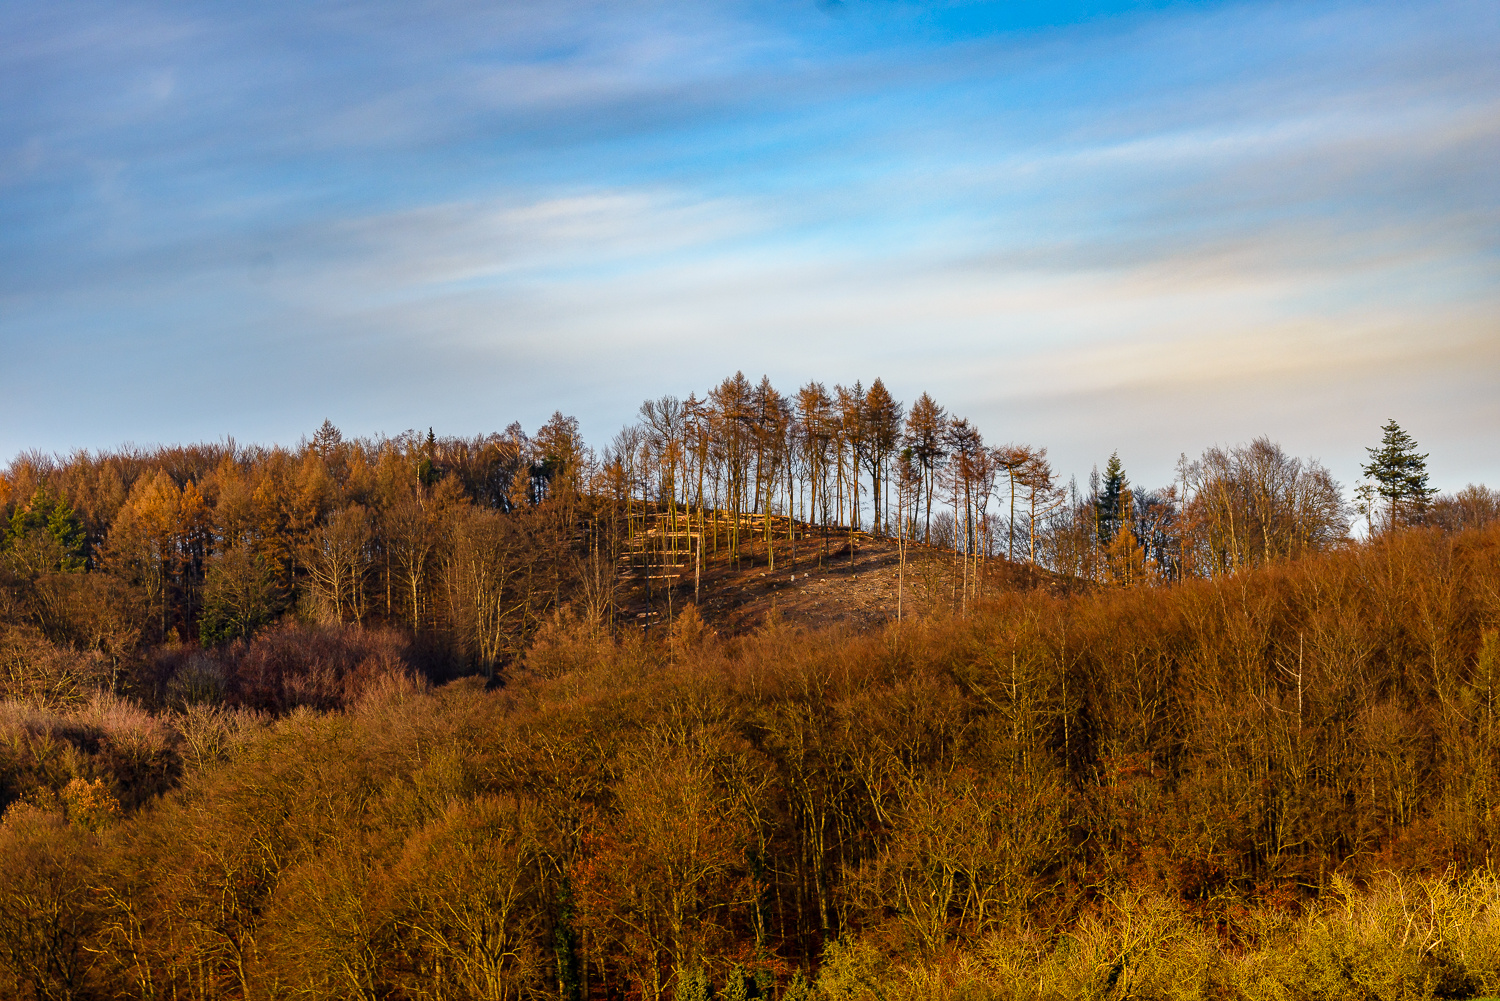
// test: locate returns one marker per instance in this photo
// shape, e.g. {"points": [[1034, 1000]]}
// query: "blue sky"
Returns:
{"points": [[1143, 227]]}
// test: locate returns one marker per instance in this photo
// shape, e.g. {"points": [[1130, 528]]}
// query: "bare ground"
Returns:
{"points": [[857, 589]]}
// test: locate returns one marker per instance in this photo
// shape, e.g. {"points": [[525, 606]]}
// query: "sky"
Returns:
{"points": [[1133, 227]]}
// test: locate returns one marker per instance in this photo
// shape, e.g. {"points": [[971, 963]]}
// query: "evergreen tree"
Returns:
{"points": [[1111, 502], [427, 472], [1400, 475], [46, 535]]}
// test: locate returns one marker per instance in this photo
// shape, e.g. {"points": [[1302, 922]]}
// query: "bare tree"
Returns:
{"points": [[1252, 504], [337, 560], [1042, 495], [1012, 459]]}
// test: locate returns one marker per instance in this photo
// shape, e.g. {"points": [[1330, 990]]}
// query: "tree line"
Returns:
{"points": [[857, 459], [472, 543]]}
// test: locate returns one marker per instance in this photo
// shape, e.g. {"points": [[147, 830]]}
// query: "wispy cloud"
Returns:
{"points": [[1073, 232]]}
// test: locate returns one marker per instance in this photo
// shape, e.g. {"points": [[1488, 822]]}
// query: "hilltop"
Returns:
{"points": [[856, 584]]}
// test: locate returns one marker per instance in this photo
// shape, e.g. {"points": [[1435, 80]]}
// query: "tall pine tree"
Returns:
{"points": [[1400, 475], [1111, 508]]}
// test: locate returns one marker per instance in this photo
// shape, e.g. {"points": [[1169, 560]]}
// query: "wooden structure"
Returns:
{"points": [[663, 548]]}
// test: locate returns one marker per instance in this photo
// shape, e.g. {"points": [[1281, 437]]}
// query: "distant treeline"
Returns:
{"points": [[1131, 791], [471, 543], [468, 542]]}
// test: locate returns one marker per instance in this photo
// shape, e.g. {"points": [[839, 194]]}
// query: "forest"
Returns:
{"points": [[444, 717]]}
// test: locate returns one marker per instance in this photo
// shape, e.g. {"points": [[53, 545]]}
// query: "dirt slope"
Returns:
{"points": [[858, 590]]}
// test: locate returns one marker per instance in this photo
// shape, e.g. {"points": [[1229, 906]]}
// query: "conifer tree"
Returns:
{"points": [[883, 416], [1400, 475], [427, 473], [328, 438], [924, 436], [53, 524], [1111, 509]]}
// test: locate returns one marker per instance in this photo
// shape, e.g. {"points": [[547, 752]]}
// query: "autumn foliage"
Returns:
{"points": [[1200, 785], [379, 719]]}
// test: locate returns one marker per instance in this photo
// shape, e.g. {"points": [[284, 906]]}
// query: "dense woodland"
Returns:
{"points": [[374, 718]]}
